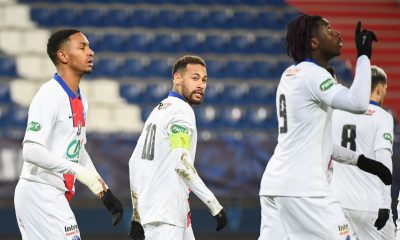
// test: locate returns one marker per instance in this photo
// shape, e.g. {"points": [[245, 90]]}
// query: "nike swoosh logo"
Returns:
{"points": [[71, 116]]}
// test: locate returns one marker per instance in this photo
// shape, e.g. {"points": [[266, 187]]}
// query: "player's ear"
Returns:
{"points": [[62, 56], [314, 43], [177, 79]]}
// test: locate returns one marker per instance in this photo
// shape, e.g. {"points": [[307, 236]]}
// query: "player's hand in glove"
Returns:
{"points": [[364, 41], [383, 216], [136, 231], [376, 168], [113, 205], [221, 220]]}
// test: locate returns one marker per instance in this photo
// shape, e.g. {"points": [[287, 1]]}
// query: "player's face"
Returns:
{"points": [[80, 56], [329, 40], [193, 83]]}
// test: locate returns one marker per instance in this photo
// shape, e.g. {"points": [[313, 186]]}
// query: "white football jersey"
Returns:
{"points": [[364, 133], [162, 194], [56, 120], [300, 161]]}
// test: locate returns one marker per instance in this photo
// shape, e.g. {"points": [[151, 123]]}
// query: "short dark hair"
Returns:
{"points": [[56, 40], [299, 33], [377, 76], [182, 62]]}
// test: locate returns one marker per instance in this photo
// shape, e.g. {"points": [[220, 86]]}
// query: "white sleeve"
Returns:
{"points": [[42, 116], [180, 132], [385, 156], [384, 132], [38, 155], [85, 160], [343, 155], [189, 175], [356, 99]]}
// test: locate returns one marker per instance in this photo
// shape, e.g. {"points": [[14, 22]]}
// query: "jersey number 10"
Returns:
{"points": [[148, 148]]}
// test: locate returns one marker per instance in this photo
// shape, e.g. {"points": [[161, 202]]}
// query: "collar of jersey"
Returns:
{"points": [[68, 90], [175, 94], [373, 103], [310, 60]]}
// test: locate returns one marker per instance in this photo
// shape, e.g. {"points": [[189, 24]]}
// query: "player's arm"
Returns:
{"points": [[346, 156], [180, 138], [112, 203]]}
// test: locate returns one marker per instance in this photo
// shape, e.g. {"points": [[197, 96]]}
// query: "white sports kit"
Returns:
{"points": [[56, 122], [295, 195], [162, 174], [361, 194]]}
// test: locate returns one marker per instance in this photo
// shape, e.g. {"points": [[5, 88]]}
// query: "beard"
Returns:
{"points": [[189, 96]]}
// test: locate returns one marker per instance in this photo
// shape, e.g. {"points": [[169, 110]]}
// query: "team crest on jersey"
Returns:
{"points": [[388, 137], [179, 129], [328, 83], [34, 126]]}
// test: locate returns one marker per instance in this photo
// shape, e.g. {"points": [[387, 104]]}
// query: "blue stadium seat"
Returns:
{"points": [[267, 44], [170, 18], [216, 69], [233, 117], [18, 117], [5, 97], [107, 68], [194, 18], [271, 20], [242, 43], [4, 115], [44, 16], [220, 19], [218, 43], [208, 116], [239, 69], [118, 18], [263, 69], [114, 42], [192, 43], [262, 94], [7, 67], [136, 67], [144, 18], [261, 117], [245, 19], [214, 93], [93, 17], [134, 92], [67, 17], [146, 110], [140, 42], [236, 94], [160, 68], [166, 42], [156, 92]]}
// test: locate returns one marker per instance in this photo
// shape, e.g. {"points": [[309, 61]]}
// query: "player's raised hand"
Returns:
{"points": [[364, 41], [376, 168], [383, 216], [221, 220], [113, 205], [136, 231]]}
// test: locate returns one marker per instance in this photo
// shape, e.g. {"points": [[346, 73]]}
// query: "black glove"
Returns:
{"points": [[221, 220], [136, 231], [364, 40], [376, 168], [113, 205], [383, 216]]}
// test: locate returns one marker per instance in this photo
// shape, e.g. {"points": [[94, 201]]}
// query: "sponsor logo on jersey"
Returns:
{"points": [[74, 149], [328, 83], [388, 137], [164, 105], [179, 129], [34, 126], [343, 229], [370, 112], [72, 230], [291, 72]]}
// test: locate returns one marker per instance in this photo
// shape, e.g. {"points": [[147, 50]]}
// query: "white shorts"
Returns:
{"points": [[362, 226], [302, 218], [165, 231], [43, 212]]}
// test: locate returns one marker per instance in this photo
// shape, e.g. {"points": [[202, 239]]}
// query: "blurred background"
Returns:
{"points": [[136, 43]]}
